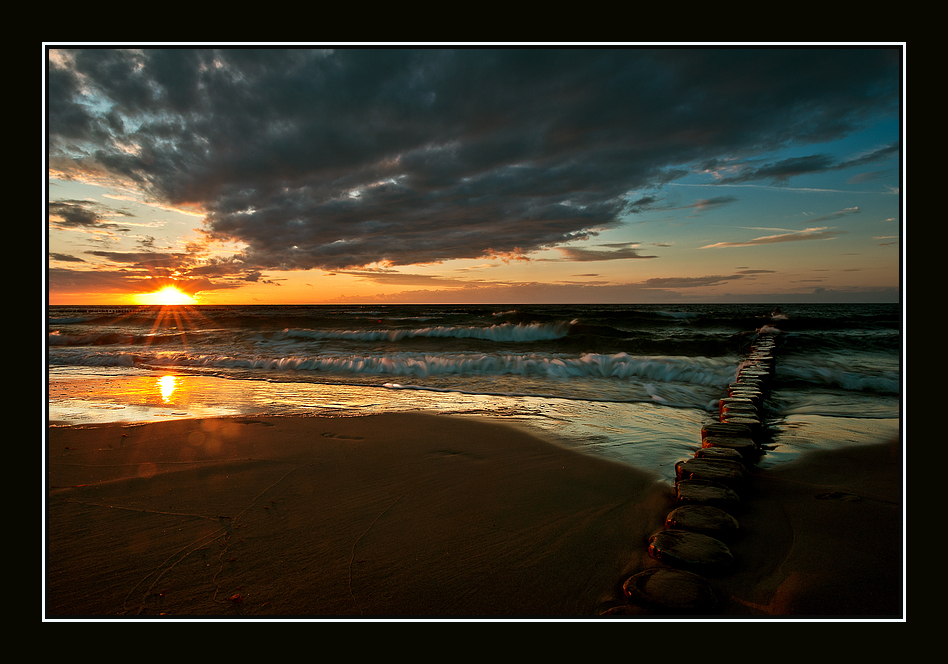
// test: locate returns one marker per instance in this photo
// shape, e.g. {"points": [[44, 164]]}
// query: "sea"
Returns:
{"points": [[631, 383]]}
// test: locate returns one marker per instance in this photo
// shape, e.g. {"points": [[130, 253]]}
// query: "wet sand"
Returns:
{"points": [[427, 516], [823, 537]]}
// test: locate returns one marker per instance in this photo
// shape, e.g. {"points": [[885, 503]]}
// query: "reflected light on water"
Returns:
{"points": [[645, 435], [136, 398], [166, 387]]}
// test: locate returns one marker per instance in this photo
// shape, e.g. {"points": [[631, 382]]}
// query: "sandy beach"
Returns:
{"points": [[427, 516]]}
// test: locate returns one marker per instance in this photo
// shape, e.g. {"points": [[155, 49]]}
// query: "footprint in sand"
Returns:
{"points": [[838, 495], [339, 436], [455, 454], [260, 422]]}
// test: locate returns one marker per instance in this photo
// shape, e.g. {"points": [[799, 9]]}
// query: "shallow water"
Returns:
{"points": [[633, 384]]}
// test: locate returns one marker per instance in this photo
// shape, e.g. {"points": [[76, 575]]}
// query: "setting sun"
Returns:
{"points": [[166, 296]]}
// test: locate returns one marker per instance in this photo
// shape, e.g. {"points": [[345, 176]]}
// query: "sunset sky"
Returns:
{"points": [[475, 174]]}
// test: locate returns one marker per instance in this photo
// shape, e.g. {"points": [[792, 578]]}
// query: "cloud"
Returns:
{"points": [[610, 252], [146, 259], [792, 236], [656, 291], [780, 172], [393, 277], [837, 214], [81, 214], [868, 176], [703, 204], [784, 169], [132, 279], [689, 282], [144, 271], [346, 158], [641, 204], [871, 157], [67, 258], [651, 290]]}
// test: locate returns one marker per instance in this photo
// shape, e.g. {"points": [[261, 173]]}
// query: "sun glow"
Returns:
{"points": [[169, 295], [166, 386]]}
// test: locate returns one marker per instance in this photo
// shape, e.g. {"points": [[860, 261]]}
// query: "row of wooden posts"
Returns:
{"points": [[708, 487]]}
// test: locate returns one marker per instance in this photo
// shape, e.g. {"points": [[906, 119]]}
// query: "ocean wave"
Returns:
{"points": [[56, 338], [844, 357], [619, 366], [836, 376], [101, 338], [505, 332], [104, 359], [69, 320], [679, 315]]}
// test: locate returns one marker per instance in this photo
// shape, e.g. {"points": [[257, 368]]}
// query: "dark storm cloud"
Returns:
{"points": [[345, 158]]}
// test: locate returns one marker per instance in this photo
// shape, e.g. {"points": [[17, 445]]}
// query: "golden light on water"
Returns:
{"points": [[166, 387]]}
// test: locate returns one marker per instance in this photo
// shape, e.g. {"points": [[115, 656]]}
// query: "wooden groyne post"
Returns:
{"points": [[708, 487]]}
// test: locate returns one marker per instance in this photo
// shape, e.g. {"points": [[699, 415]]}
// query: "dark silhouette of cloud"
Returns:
{"points": [[608, 252], [689, 282], [780, 172], [67, 258], [345, 158], [80, 214]]}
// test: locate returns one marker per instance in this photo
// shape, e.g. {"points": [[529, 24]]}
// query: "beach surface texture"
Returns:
{"points": [[434, 516]]}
